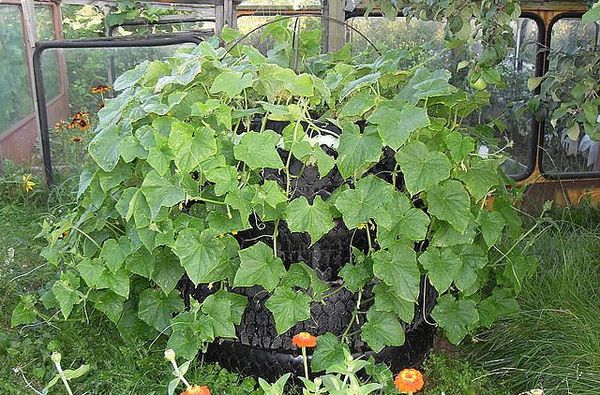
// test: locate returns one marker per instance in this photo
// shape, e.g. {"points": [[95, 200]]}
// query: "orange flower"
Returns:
{"points": [[60, 124], [80, 120], [100, 89], [409, 381], [197, 390], [304, 339], [77, 139]]}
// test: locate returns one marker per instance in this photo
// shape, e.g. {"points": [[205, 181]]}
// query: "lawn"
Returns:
{"points": [[117, 365], [552, 343]]}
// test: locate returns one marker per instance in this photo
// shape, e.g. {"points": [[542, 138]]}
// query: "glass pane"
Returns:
{"points": [[89, 68], [564, 154], [173, 27], [15, 93], [424, 40], [82, 21], [310, 35], [51, 74]]}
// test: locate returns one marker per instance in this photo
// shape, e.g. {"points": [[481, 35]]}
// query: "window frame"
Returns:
{"points": [[105, 42], [548, 174]]}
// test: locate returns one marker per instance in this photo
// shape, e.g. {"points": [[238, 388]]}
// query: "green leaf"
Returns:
{"points": [[238, 304], [491, 223], [161, 191], [359, 83], [114, 252], [426, 84], [141, 262], [358, 151], [395, 127], [270, 194], [387, 300], [156, 308], [191, 145], [459, 146], [288, 307], [534, 82], [167, 271], [224, 310], [231, 83], [25, 312], [358, 105], [66, 295], [105, 147], [501, 303], [259, 266], [131, 77], [199, 253], [316, 219], [422, 167], [190, 331], [442, 266], [381, 330], [446, 236], [370, 199], [109, 303], [117, 282], [277, 388], [329, 352], [408, 222], [160, 156], [472, 259], [480, 178], [397, 267], [456, 317], [302, 276], [593, 15], [74, 374], [450, 202], [90, 270], [224, 178], [258, 150], [356, 275]]}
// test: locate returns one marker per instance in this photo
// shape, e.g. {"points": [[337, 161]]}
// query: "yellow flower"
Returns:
{"points": [[28, 184]]}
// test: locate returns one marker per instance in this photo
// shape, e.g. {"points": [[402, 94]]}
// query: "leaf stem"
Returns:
{"points": [[354, 314], [305, 361], [207, 200], [63, 377], [178, 372]]}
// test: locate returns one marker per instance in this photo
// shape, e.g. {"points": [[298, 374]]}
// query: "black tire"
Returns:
{"points": [[258, 349]]}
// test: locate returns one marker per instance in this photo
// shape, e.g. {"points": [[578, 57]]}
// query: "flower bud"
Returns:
{"points": [[170, 355], [55, 357], [318, 382], [537, 391]]}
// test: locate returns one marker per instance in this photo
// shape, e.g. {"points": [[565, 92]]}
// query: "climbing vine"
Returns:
{"points": [[186, 158]]}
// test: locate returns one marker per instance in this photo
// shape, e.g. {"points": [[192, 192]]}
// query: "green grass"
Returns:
{"points": [[117, 367], [458, 376], [554, 342]]}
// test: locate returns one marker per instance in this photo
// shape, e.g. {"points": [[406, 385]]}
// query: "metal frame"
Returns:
{"points": [[110, 42], [167, 20]]}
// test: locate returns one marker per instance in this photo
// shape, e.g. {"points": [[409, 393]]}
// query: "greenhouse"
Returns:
{"points": [[299, 197]]}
